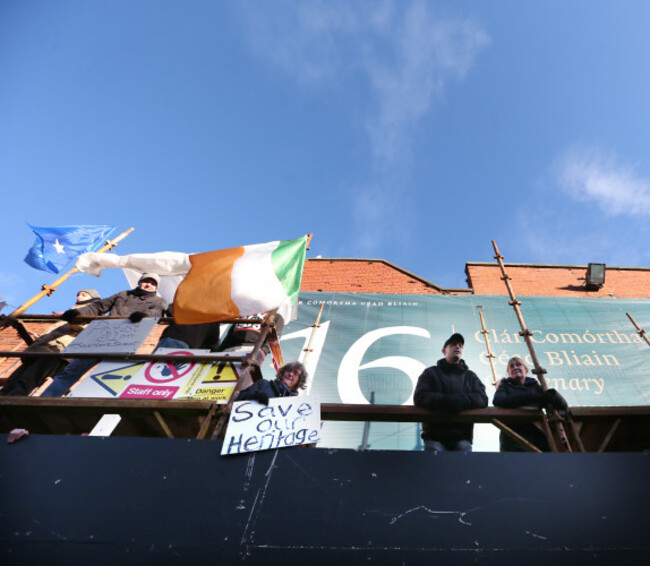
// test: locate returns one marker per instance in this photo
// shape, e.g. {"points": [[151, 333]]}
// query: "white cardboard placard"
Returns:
{"points": [[286, 421], [120, 336]]}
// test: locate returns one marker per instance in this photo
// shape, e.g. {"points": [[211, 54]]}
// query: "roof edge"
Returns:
{"points": [[443, 290], [550, 266]]}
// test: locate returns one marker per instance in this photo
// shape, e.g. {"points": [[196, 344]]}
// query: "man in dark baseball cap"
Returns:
{"points": [[454, 339], [449, 386]]}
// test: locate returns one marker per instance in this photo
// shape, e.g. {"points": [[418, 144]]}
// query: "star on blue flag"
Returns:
{"points": [[57, 246]]}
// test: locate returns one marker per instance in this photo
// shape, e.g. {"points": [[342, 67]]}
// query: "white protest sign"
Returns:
{"points": [[111, 336], [286, 421]]}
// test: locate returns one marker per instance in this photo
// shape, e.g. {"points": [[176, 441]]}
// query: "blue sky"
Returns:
{"points": [[412, 131]]}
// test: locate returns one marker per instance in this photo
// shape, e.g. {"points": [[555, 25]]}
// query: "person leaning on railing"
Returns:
{"points": [[136, 304], [290, 378], [32, 372], [517, 391], [450, 387]]}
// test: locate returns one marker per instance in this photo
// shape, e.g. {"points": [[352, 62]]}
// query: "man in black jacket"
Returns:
{"points": [[449, 386]]}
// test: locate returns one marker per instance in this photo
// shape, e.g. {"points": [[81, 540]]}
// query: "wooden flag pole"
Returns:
{"points": [[539, 371], [640, 331], [497, 423], [490, 355], [49, 289], [245, 379], [308, 349]]}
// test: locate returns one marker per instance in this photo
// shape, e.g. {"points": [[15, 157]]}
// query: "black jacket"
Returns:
{"points": [[449, 388], [512, 395], [272, 389], [125, 303]]}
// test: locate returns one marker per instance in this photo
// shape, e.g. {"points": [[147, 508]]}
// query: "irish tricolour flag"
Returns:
{"points": [[244, 281]]}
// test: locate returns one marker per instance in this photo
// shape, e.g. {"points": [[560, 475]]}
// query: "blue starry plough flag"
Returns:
{"points": [[55, 247]]}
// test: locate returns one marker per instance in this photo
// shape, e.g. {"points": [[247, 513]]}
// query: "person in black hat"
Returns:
{"points": [[450, 387]]}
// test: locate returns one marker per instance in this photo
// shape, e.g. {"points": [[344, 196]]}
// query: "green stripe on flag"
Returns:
{"points": [[288, 261]]}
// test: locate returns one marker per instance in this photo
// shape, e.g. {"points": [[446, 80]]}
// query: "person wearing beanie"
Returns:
{"points": [[92, 295], [135, 304], [450, 387], [32, 371]]}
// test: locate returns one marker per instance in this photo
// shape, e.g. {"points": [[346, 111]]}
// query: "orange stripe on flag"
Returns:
{"points": [[205, 293]]}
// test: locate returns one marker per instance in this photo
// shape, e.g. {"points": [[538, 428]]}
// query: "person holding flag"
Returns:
{"points": [[135, 304], [290, 378]]}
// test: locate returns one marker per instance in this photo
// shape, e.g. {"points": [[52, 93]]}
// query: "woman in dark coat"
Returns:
{"points": [[290, 378], [516, 391]]}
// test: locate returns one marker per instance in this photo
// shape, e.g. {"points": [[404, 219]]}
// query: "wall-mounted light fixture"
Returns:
{"points": [[595, 275]]}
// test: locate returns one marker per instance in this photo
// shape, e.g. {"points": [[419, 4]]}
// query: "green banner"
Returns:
{"points": [[373, 347]]}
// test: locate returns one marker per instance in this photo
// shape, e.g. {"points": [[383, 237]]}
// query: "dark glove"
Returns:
{"points": [[70, 314], [261, 397], [136, 316], [553, 398]]}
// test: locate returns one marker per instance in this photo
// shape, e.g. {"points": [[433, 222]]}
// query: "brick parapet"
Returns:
{"points": [[367, 276], [558, 281]]}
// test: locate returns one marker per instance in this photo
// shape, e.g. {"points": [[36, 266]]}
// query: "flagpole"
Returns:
{"points": [[490, 355], [539, 371], [49, 289]]}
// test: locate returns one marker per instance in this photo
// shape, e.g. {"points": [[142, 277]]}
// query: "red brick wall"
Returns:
{"points": [[10, 341], [558, 281], [364, 276]]}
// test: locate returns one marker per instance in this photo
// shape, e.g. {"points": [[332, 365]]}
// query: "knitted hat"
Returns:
{"points": [[153, 276], [92, 292]]}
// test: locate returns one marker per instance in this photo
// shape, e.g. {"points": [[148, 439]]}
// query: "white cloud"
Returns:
{"points": [[381, 216], [425, 53], [590, 175], [403, 51], [398, 56], [548, 230], [599, 213]]}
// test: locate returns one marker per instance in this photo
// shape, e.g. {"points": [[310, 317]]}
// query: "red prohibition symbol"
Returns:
{"points": [[171, 368]]}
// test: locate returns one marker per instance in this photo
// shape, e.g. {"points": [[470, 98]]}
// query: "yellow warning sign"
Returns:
{"points": [[116, 379], [219, 372]]}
